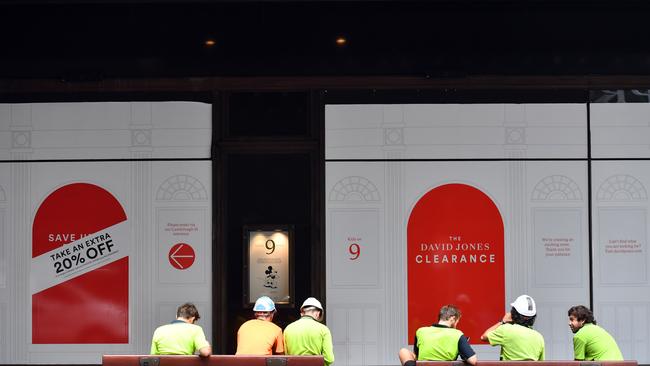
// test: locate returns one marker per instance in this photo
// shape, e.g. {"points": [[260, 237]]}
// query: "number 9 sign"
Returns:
{"points": [[355, 251], [270, 245]]}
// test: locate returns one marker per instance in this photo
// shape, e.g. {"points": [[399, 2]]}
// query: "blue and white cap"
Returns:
{"points": [[264, 303]]}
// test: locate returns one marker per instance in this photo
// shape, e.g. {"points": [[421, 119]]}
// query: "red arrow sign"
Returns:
{"points": [[181, 256]]}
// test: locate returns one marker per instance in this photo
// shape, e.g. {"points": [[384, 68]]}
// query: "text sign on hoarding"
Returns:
{"points": [[455, 256]]}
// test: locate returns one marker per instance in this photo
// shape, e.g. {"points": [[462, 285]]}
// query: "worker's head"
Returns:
{"points": [[580, 315], [524, 311], [450, 315], [264, 308], [312, 307], [188, 313]]}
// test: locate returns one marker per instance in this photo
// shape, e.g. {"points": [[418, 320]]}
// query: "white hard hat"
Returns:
{"points": [[525, 305], [264, 303], [311, 301]]}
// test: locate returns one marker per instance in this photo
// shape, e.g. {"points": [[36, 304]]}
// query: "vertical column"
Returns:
{"points": [[20, 227], [394, 310], [517, 258], [4, 263], [143, 254]]}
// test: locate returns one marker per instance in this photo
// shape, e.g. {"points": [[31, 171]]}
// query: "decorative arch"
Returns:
{"points": [[354, 188], [455, 246], [181, 188], [557, 188], [622, 187]]}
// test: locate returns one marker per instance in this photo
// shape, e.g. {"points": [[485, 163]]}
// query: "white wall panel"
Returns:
{"points": [[448, 131], [355, 261], [106, 130], [558, 245], [4, 263], [186, 203], [4, 332], [620, 130], [3, 247], [356, 341], [540, 202], [621, 288], [194, 270], [552, 323], [555, 209], [139, 131], [622, 248]]}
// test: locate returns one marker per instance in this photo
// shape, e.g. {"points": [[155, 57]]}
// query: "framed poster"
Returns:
{"points": [[268, 264]]}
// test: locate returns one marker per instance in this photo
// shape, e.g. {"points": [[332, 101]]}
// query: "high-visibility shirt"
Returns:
{"points": [[306, 336], [178, 338], [518, 343], [437, 343], [593, 343]]}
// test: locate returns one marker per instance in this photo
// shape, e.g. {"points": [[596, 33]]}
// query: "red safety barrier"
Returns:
{"points": [[529, 363], [214, 360]]}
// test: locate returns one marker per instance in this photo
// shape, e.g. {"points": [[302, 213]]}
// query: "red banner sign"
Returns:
{"points": [[455, 256], [80, 268]]}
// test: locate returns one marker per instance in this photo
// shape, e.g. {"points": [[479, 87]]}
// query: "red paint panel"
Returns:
{"points": [[455, 256], [91, 308]]}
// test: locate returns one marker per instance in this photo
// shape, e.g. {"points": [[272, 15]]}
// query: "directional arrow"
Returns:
{"points": [[181, 256]]}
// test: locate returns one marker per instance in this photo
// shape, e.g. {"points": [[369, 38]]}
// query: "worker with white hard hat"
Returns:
{"points": [[260, 336], [515, 333], [307, 336]]}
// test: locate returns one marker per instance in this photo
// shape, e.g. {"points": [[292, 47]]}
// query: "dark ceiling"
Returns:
{"points": [[94, 40]]}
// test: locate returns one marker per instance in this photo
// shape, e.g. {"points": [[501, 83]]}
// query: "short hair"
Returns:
{"points": [[187, 311], [447, 311], [581, 313], [310, 309], [517, 318]]}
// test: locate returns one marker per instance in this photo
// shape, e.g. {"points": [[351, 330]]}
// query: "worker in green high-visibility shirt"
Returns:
{"points": [[182, 336], [440, 342], [590, 341], [515, 333], [307, 335]]}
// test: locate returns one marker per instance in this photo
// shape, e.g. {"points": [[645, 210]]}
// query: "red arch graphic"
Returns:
{"points": [[455, 256], [91, 308]]}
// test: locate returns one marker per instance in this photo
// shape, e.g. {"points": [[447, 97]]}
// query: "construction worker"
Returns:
{"points": [[440, 342], [260, 336], [590, 341], [307, 336], [515, 333], [181, 336]]}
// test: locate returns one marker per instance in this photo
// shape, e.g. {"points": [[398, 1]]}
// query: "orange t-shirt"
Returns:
{"points": [[259, 337]]}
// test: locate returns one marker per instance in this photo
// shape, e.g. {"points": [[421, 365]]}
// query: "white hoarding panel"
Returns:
{"points": [[456, 131], [620, 130], [106, 130]]}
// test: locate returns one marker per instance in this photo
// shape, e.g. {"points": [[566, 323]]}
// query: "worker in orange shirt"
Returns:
{"points": [[260, 336]]}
